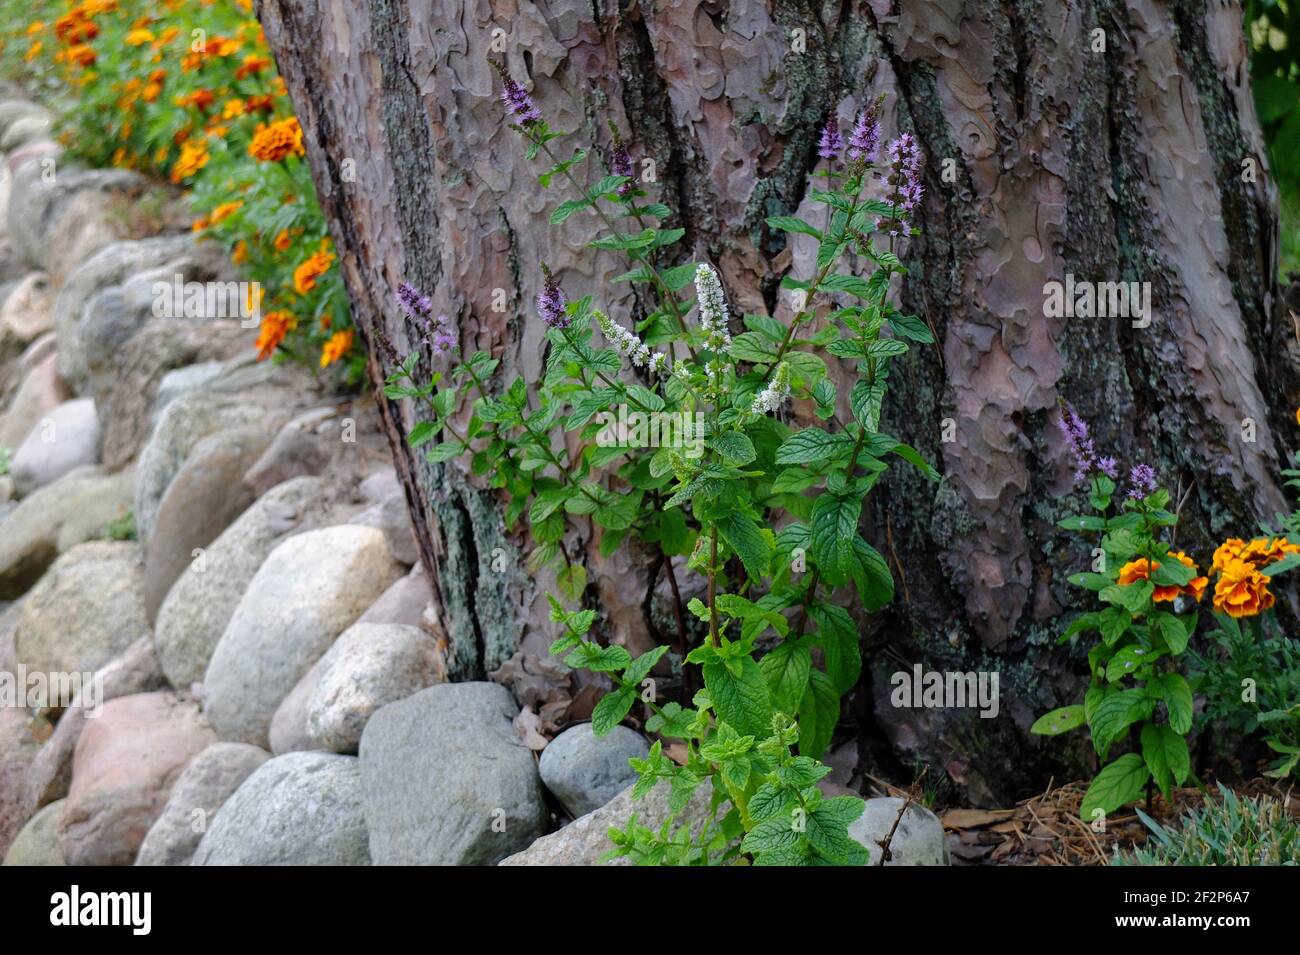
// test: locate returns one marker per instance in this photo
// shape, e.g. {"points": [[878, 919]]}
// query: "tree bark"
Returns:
{"points": [[1046, 156]]}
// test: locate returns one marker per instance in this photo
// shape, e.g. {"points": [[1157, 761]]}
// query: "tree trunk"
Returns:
{"points": [[1046, 156]]}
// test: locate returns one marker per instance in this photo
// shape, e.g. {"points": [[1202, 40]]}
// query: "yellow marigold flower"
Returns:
{"points": [[275, 141], [35, 27], [119, 154], [139, 37], [339, 344], [232, 108], [1242, 591], [194, 156], [159, 156], [312, 268], [275, 325], [151, 92], [1229, 550], [167, 36], [34, 51]]}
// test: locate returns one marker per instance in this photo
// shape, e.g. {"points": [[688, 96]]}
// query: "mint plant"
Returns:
{"points": [[767, 513], [1136, 681]]}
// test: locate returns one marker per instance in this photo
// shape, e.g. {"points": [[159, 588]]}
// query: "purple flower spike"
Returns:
{"points": [[903, 176], [620, 162], [1143, 481], [551, 301], [519, 104], [413, 302], [865, 136], [832, 143]]}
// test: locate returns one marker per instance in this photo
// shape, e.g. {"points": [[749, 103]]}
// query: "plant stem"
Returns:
{"points": [[634, 254], [713, 585]]}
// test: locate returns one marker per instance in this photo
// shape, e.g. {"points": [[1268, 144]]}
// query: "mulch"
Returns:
{"points": [[1046, 829]]}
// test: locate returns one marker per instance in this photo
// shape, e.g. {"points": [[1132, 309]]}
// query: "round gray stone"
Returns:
{"points": [[585, 771], [296, 809]]}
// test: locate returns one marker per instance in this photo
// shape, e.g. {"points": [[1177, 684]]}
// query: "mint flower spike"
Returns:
{"points": [[519, 105], [551, 301], [713, 308], [776, 393], [831, 143], [627, 343]]}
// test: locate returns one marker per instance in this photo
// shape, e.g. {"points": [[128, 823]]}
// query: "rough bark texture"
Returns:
{"points": [[1117, 165]]}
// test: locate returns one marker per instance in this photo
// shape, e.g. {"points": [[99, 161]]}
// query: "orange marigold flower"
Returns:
{"points": [[1297, 416], [82, 54], [223, 46], [275, 325], [1259, 552], [1194, 588], [194, 156], [251, 66], [139, 37], [199, 224], [1242, 591], [157, 76], [75, 27], [1141, 569], [239, 254], [259, 103], [35, 27], [151, 92], [276, 141], [339, 344], [312, 268], [167, 36], [1136, 570], [34, 51], [224, 211], [283, 240], [199, 98]]}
